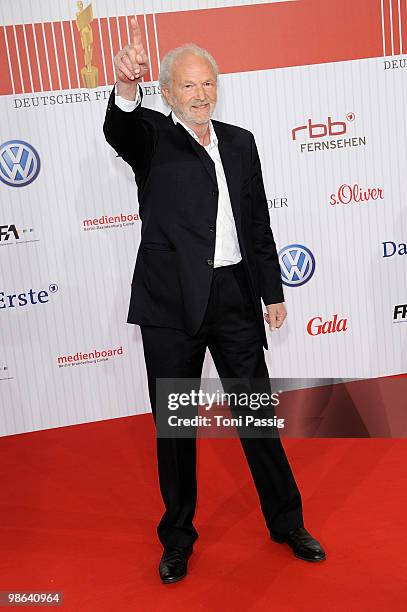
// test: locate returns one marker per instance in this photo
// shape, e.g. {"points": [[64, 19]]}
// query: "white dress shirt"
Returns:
{"points": [[227, 251]]}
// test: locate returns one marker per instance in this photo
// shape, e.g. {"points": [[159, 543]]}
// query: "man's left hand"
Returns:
{"points": [[275, 315]]}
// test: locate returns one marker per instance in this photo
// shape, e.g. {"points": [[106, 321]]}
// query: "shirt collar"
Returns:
{"points": [[214, 138]]}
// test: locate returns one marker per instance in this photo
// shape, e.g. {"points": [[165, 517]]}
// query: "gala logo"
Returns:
{"points": [[316, 327]]}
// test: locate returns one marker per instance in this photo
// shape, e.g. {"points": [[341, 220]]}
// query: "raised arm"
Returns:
{"points": [[131, 134]]}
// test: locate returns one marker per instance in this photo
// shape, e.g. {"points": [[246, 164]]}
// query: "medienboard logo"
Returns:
{"points": [[112, 222], [19, 163], [10, 234], [92, 357], [315, 130], [31, 297], [400, 313]]}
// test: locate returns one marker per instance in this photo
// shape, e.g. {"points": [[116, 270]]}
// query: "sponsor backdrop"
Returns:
{"points": [[322, 85]]}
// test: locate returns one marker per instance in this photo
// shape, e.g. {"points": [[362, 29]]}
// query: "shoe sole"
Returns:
{"points": [[172, 580], [310, 560]]}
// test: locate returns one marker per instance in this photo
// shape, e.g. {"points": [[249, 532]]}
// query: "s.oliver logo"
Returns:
{"points": [[355, 194], [316, 326], [27, 298]]}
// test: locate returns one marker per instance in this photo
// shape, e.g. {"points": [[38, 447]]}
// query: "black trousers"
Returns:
{"points": [[231, 333]]}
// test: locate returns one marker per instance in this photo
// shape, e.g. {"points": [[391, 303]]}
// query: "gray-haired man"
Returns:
{"points": [[206, 259]]}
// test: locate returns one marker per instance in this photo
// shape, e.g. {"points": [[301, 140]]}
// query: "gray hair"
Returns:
{"points": [[164, 78]]}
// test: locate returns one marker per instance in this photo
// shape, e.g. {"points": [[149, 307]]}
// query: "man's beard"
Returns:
{"points": [[188, 117]]}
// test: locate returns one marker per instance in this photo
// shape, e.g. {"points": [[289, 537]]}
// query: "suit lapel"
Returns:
{"points": [[199, 150], [230, 156]]}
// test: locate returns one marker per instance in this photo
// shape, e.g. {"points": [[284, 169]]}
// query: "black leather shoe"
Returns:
{"points": [[174, 563], [305, 547]]}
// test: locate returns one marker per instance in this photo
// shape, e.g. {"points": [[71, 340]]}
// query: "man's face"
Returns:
{"points": [[193, 91]]}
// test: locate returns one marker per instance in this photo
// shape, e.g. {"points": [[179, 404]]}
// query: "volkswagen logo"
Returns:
{"points": [[297, 265], [19, 163]]}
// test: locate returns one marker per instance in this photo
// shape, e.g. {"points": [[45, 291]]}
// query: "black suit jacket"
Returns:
{"points": [[178, 199]]}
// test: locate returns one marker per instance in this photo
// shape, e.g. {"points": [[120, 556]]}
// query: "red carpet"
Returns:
{"points": [[79, 507]]}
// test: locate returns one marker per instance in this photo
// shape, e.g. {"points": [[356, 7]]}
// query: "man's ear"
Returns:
{"points": [[166, 93]]}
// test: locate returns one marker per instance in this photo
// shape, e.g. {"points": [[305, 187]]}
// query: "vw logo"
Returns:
{"points": [[19, 163], [297, 265]]}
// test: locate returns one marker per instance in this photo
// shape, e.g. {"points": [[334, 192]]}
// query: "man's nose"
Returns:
{"points": [[200, 92]]}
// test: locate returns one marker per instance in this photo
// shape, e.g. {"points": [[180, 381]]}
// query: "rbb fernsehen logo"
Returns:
{"points": [[19, 163], [297, 265]]}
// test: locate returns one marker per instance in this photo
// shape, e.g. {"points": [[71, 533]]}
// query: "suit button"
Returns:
{"points": [[215, 192], [209, 262], [211, 228]]}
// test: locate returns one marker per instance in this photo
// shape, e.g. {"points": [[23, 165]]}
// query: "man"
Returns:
{"points": [[207, 257]]}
